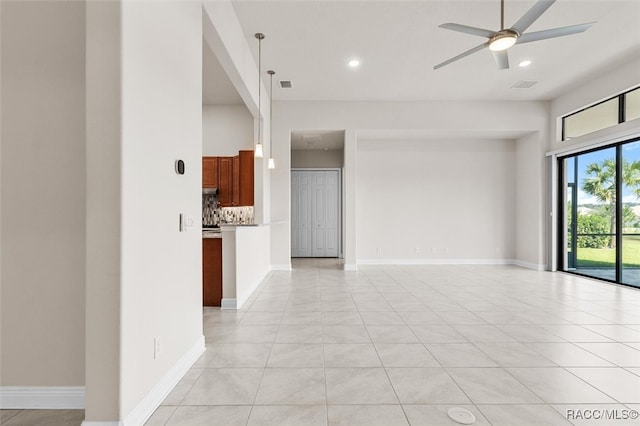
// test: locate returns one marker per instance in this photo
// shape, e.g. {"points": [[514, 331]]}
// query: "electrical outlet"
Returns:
{"points": [[156, 348], [417, 250], [379, 251]]}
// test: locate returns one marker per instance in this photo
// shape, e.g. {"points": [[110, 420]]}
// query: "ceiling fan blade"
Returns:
{"points": [[468, 30], [462, 55], [502, 59], [530, 17], [553, 33]]}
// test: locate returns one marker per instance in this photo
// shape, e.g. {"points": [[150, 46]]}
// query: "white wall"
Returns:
{"points": [[43, 193], [531, 201], [310, 158], [226, 129], [450, 199], [156, 50], [162, 122], [410, 120]]}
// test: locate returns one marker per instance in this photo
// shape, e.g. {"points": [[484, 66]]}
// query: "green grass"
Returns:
{"points": [[606, 257]]}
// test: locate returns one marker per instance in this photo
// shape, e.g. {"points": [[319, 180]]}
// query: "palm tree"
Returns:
{"points": [[601, 184]]}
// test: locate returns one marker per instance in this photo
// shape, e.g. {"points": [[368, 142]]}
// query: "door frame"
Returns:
{"points": [[340, 204]]}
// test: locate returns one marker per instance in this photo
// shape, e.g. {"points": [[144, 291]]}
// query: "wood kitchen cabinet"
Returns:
{"points": [[245, 166], [209, 172], [233, 176], [225, 181], [211, 271]]}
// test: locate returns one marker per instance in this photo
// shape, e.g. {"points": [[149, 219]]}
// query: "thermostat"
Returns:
{"points": [[180, 167]]}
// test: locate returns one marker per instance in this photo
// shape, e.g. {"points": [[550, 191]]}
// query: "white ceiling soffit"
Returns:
{"points": [[399, 42], [317, 139], [217, 88]]}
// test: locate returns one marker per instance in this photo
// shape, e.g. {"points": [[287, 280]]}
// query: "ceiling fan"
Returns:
{"points": [[499, 41]]}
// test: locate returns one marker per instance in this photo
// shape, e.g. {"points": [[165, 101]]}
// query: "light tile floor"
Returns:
{"points": [[400, 345]]}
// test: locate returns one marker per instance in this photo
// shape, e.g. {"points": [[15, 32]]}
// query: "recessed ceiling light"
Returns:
{"points": [[354, 63], [524, 63]]}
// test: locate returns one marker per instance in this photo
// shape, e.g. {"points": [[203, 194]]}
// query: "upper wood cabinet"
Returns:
{"points": [[209, 172], [236, 181], [225, 182], [245, 177], [233, 176]]}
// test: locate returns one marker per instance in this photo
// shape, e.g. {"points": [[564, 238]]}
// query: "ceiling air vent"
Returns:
{"points": [[285, 84], [525, 84]]}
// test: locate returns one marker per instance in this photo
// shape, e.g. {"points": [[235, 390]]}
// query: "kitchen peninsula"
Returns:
{"points": [[233, 245]]}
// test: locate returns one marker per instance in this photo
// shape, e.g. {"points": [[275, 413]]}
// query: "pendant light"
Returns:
{"points": [[258, 151], [271, 164]]}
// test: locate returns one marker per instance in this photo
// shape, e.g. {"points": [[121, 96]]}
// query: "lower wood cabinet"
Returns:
{"points": [[211, 271]]}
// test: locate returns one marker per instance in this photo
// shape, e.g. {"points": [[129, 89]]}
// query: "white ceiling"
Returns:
{"points": [[398, 43]]}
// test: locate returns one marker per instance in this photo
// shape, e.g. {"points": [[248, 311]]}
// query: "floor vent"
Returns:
{"points": [[525, 84], [285, 84]]}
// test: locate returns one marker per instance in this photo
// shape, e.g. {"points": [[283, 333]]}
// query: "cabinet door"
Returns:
{"points": [[245, 174], [225, 181], [211, 271], [209, 172], [236, 181]]}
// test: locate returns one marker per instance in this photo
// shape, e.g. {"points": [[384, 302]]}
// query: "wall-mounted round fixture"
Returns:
{"points": [[179, 165], [354, 63]]}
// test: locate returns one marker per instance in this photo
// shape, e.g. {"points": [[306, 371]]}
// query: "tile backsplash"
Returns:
{"points": [[213, 214]]}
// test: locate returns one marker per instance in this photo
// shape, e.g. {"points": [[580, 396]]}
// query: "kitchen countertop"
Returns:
{"points": [[217, 233]]}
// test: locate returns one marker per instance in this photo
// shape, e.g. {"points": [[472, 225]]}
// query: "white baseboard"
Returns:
{"points": [[417, 261], [85, 423], [529, 265], [154, 398], [228, 304], [282, 267], [350, 267], [515, 262], [42, 397]]}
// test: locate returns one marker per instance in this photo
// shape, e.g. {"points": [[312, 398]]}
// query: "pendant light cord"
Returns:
{"points": [[259, 86], [260, 37], [271, 73]]}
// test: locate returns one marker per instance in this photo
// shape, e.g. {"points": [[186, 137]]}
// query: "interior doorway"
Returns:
{"points": [[315, 213]]}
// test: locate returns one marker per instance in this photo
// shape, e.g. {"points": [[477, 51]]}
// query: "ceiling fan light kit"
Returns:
{"points": [[503, 40], [500, 41]]}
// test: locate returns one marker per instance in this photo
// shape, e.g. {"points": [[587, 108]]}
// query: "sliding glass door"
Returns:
{"points": [[601, 219], [630, 214]]}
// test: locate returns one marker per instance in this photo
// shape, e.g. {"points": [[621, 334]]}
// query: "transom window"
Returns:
{"points": [[608, 113]]}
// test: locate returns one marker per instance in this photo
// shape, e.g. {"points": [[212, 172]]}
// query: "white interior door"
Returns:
{"points": [[318, 214], [315, 213], [300, 215]]}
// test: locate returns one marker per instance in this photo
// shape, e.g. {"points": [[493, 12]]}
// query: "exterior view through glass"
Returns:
{"points": [[601, 220]]}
